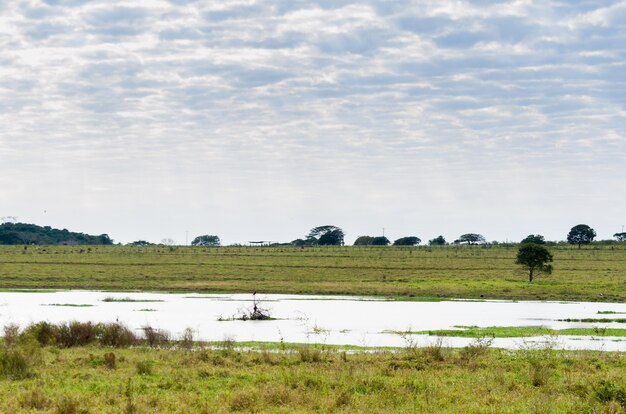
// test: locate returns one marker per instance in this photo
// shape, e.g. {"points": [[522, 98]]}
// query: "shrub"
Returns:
{"points": [[35, 399], [156, 337], [109, 360], [607, 391], [144, 367], [11, 334], [186, 340], [68, 405], [14, 363], [43, 332], [116, 335]]}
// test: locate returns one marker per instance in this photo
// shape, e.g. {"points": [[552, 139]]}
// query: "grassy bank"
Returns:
{"points": [[591, 273], [95, 379]]}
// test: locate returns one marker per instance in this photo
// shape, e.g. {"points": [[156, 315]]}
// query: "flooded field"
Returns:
{"points": [[333, 320]]}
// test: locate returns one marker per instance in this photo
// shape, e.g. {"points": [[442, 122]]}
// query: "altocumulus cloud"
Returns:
{"points": [[147, 118]]}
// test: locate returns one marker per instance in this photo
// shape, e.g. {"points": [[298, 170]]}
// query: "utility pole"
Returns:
{"points": [[186, 237], [383, 232]]}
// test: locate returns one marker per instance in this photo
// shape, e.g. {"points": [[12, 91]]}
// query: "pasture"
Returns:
{"points": [[593, 273]]}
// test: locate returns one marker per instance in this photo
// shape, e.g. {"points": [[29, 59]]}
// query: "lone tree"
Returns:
{"points": [[328, 235], [407, 241], [206, 240], [581, 234], [380, 241], [620, 236], [534, 238], [363, 241], [535, 259], [438, 241], [471, 238]]}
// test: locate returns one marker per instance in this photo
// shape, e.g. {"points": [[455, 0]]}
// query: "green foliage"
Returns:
{"points": [[535, 259], [363, 241], [470, 238], [438, 241], [581, 234], [620, 236], [407, 241], [534, 238], [140, 243], [380, 241], [327, 235], [23, 233], [206, 240]]}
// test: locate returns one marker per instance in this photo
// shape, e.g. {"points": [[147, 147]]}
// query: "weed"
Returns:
{"points": [[144, 367], [186, 340], [14, 363], [436, 350], [35, 399], [476, 349], [243, 401], [11, 334], [308, 354], [156, 337], [109, 360], [68, 405], [607, 391], [130, 407]]}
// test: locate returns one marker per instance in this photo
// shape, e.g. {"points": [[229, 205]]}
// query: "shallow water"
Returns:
{"points": [[313, 319]]}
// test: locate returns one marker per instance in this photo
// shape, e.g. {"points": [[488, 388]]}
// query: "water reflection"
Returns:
{"points": [[311, 319]]}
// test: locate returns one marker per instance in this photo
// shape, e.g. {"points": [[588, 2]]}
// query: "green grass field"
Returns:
{"points": [[591, 273], [192, 378]]}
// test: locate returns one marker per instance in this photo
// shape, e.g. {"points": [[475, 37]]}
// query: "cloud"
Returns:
{"points": [[373, 97]]}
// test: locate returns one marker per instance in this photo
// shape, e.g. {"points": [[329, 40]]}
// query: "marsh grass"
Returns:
{"points": [[131, 300], [473, 379], [595, 320], [71, 305], [518, 332]]}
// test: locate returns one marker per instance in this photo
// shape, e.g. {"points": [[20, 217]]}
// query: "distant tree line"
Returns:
{"points": [[326, 235], [23, 233]]}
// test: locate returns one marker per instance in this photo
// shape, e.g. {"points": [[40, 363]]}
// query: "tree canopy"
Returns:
{"points": [[534, 238], [438, 241], [24, 233], [407, 241], [470, 238], [535, 259], [327, 235], [620, 236], [363, 241], [380, 241], [581, 234], [206, 240]]}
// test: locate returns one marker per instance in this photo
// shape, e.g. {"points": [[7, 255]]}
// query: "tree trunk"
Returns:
{"points": [[530, 275]]}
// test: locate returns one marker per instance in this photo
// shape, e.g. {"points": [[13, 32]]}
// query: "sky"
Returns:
{"points": [[258, 120]]}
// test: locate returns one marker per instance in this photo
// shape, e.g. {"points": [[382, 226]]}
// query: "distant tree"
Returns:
{"points": [[407, 241], [328, 235], [380, 241], [438, 241], [168, 242], [535, 259], [363, 241], [25, 233], [206, 240], [581, 234], [470, 238], [140, 243], [534, 238], [620, 236]]}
